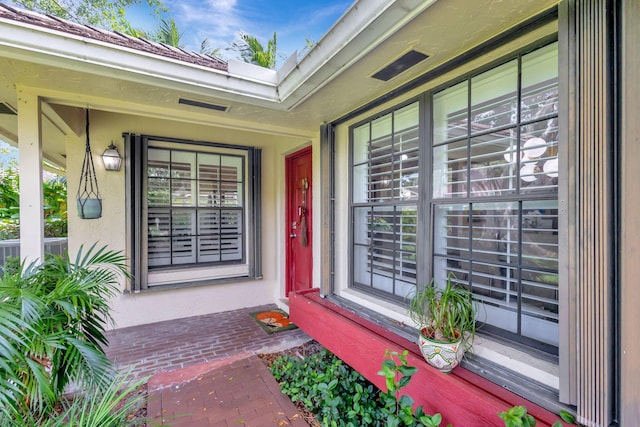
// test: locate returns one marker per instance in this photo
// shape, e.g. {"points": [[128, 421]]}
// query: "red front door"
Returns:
{"points": [[299, 221]]}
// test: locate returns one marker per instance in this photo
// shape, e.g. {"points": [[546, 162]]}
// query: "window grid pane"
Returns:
{"points": [[195, 207], [494, 98], [385, 174], [495, 194]]}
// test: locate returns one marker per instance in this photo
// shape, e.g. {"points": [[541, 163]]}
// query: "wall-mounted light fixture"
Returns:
{"points": [[111, 158]]}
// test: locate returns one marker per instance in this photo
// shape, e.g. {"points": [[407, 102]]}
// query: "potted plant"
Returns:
{"points": [[447, 321]]}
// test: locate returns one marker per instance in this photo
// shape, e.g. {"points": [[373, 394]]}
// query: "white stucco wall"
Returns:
{"points": [[160, 305]]}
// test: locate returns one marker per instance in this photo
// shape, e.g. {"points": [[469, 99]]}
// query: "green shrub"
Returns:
{"points": [[52, 321], [340, 396], [54, 198], [11, 266], [9, 229], [55, 207], [95, 406], [9, 190], [517, 416]]}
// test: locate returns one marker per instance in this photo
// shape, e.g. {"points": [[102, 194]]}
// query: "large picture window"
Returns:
{"points": [[491, 210], [495, 203]]}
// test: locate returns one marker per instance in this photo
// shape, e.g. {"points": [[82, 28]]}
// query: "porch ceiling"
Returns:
{"points": [[333, 79]]}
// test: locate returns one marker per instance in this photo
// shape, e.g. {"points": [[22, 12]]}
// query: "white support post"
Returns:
{"points": [[31, 196]]}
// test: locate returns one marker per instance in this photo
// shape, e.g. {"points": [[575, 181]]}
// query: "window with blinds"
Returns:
{"points": [[492, 211], [195, 207], [384, 206], [495, 205]]}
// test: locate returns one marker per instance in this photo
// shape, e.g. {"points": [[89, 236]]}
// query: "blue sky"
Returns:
{"points": [[220, 21]]}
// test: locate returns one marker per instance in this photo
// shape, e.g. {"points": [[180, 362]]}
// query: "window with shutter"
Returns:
{"points": [[195, 207], [495, 182], [194, 212]]}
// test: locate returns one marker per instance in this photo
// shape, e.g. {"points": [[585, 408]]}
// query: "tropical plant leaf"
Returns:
{"points": [[253, 52], [567, 417], [52, 322]]}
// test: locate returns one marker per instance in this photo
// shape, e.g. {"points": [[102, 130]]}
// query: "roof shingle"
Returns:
{"points": [[115, 38]]}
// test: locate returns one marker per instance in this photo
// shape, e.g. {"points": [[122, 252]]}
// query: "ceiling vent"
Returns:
{"points": [[6, 109], [401, 64], [202, 104]]}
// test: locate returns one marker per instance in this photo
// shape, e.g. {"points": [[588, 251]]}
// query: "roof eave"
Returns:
{"points": [[58, 49], [363, 27]]}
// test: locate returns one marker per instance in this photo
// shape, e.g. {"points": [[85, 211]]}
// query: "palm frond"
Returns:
{"points": [[206, 49], [10, 400], [98, 407], [53, 317], [38, 391], [252, 51], [169, 34], [12, 334], [93, 407], [12, 341]]}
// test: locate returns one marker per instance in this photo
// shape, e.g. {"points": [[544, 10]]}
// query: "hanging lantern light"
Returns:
{"points": [[88, 199], [111, 158]]}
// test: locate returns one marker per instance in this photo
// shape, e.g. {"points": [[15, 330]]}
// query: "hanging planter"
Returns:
{"points": [[88, 199], [89, 208]]}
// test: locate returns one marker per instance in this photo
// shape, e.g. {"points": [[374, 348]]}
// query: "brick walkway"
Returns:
{"points": [[204, 371], [236, 393], [174, 344]]}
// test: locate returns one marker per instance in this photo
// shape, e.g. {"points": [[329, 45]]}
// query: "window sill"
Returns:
{"points": [[531, 377], [193, 284], [542, 371], [516, 382], [196, 274]]}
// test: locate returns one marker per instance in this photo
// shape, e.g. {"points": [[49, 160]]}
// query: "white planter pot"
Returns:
{"points": [[441, 355]]}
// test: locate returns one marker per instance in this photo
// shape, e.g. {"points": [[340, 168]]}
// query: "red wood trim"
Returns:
{"points": [[462, 397]]}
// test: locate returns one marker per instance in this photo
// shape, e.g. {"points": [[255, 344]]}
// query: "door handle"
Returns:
{"points": [[292, 235]]}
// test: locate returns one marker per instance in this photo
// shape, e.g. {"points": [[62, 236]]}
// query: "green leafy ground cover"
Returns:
{"points": [[340, 397]]}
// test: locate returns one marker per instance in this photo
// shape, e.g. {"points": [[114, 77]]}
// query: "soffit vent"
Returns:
{"points": [[6, 109], [202, 104], [401, 64]]}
